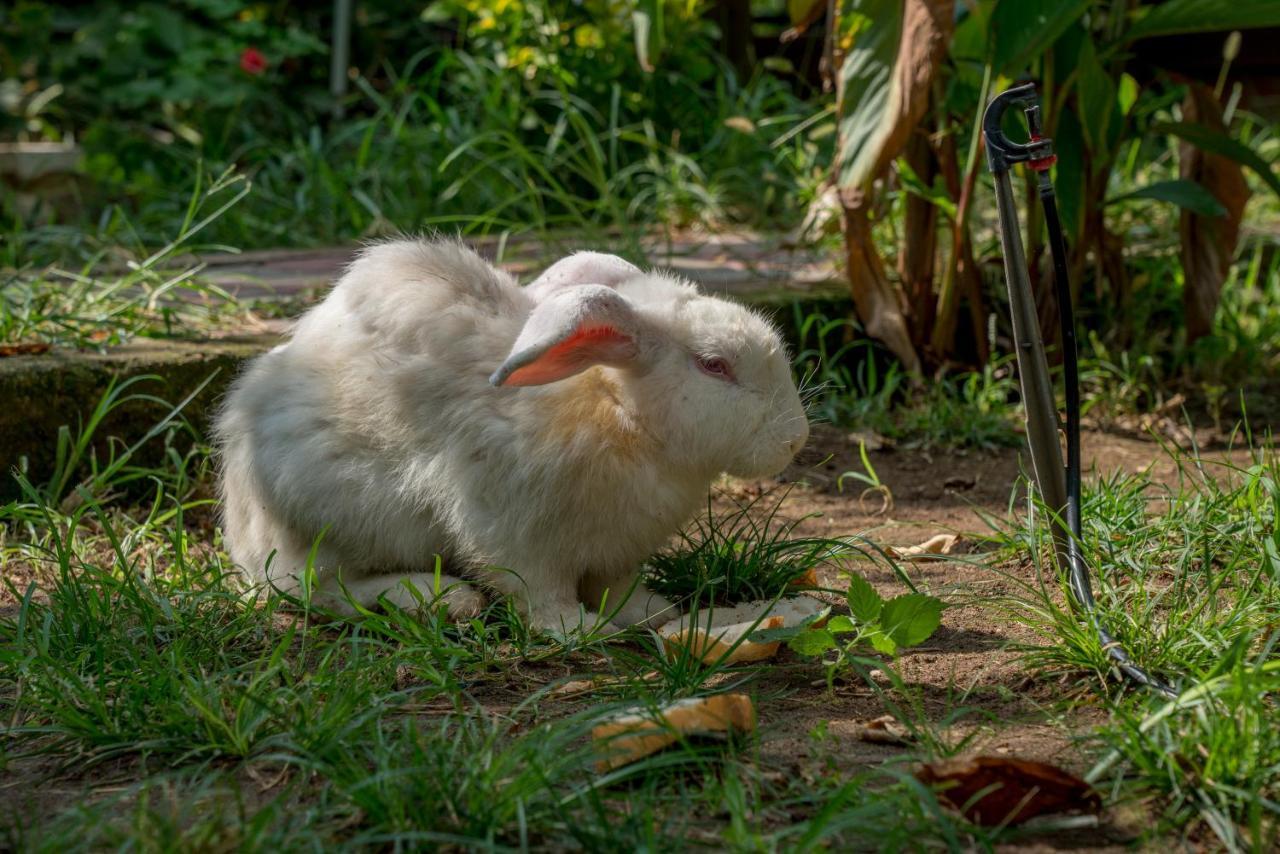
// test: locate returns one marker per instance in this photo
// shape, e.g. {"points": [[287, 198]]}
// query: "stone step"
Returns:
{"points": [[749, 268], [45, 392]]}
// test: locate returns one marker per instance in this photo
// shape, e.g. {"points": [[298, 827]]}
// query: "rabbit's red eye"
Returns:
{"points": [[716, 367]]}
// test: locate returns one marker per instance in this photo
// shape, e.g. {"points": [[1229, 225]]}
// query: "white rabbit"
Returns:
{"points": [[543, 441]]}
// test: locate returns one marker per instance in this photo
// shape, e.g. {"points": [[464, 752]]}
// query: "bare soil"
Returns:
{"points": [[967, 676]]}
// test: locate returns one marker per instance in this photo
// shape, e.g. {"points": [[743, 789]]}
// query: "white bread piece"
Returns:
{"points": [[635, 735], [712, 632]]}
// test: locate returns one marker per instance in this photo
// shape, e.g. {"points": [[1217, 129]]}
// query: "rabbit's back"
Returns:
{"points": [[333, 430]]}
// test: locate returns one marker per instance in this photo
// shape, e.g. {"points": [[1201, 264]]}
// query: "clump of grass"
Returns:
{"points": [[1213, 754], [1181, 571], [745, 554], [853, 385], [1187, 576], [152, 295]]}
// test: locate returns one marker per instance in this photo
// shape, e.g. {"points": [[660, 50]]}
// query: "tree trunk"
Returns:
{"points": [[919, 243], [1208, 242], [737, 43], [874, 296]]}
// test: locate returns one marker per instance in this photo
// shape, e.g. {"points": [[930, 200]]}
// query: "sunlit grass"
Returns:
{"points": [[133, 655], [1187, 576]]}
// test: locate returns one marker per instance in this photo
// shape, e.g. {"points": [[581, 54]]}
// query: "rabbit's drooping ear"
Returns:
{"points": [[582, 268], [568, 332]]}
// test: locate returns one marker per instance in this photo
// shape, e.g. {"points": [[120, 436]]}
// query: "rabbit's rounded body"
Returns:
{"points": [[375, 438]]}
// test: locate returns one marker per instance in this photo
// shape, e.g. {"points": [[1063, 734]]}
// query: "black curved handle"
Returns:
{"points": [[1003, 152]]}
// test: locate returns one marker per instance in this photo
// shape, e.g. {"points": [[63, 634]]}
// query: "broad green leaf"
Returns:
{"points": [[1191, 16], [864, 602], [813, 642], [1096, 95], [1219, 143], [840, 624], [1024, 29], [935, 195], [883, 643], [894, 50], [802, 10], [1069, 176], [867, 75], [1181, 192], [1127, 95], [911, 618], [972, 37]]}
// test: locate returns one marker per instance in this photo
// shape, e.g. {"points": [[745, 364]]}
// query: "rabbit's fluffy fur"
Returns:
{"points": [[377, 435]]}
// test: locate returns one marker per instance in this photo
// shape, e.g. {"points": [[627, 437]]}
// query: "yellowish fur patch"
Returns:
{"points": [[589, 413]]}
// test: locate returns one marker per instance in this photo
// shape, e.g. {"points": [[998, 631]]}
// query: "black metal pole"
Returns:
{"points": [[1059, 485]]}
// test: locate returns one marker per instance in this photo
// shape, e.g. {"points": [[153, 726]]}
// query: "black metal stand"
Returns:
{"points": [[1059, 485]]}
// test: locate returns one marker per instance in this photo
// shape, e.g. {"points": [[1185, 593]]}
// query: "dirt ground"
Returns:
{"points": [[967, 666], [968, 671]]}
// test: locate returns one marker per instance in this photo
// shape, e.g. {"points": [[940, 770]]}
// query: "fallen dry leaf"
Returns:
{"points": [[634, 735], [30, 348], [994, 790], [884, 730], [934, 548], [808, 579]]}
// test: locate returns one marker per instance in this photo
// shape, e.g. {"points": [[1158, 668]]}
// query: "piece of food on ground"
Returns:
{"points": [[935, 548], [720, 634], [635, 735]]}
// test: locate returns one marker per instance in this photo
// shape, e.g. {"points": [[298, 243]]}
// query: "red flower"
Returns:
{"points": [[252, 61]]}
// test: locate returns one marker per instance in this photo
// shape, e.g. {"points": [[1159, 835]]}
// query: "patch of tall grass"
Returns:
{"points": [[1187, 576]]}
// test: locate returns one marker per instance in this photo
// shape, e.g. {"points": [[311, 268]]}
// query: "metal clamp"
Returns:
{"points": [[1003, 152]]}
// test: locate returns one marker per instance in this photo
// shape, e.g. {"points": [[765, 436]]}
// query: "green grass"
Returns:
{"points": [[125, 290], [741, 555], [372, 731], [133, 670], [456, 141], [1188, 577], [850, 383]]}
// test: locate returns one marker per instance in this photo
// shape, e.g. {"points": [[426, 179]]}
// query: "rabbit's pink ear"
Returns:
{"points": [[568, 332], [582, 268]]}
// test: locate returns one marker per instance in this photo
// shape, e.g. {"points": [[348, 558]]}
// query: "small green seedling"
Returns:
{"points": [[871, 479], [884, 626]]}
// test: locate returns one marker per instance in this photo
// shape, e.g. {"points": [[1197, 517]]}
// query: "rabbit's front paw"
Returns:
{"points": [[463, 602], [628, 602]]}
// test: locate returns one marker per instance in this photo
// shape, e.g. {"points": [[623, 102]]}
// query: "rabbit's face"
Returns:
{"points": [[707, 378], [733, 404]]}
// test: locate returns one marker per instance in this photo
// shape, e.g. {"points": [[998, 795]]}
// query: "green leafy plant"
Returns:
{"points": [[912, 82], [869, 478], [873, 624]]}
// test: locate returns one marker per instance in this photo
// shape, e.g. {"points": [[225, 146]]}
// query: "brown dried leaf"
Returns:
{"points": [[634, 735], [994, 790], [884, 730], [578, 687], [29, 348]]}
